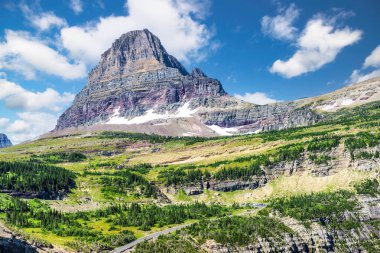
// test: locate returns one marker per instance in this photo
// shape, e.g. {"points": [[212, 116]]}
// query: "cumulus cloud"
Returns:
{"points": [[30, 125], [3, 122], [258, 98], [175, 22], [16, 97], [281, 26], [43, 21], [373, 60], [319, 44], [40, 110], [76, 6], [370, 68], [18, 126], [25, 54], [360, 76]]}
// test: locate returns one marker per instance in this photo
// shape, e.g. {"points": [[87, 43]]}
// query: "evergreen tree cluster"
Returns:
{"points": [[244, 173], [368, 187], [35, 178], [182, 176], [58, 157], [147, 216], [324, 143], [127, 182], [239, 230], [152, 138], [323, 206], [362, 140], [167, 244], [35, 214], [320, 159]]}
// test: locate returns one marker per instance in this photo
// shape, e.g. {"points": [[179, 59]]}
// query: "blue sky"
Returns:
{"points": [[262, 51]]}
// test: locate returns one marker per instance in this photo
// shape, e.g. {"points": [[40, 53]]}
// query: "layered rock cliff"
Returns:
{"points": [[138, 83], [4, 141], [137, 86]]}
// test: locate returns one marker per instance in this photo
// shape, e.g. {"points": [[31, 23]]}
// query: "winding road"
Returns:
{"points": [[128, 247]]}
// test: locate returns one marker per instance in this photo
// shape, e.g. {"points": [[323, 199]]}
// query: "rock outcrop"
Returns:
{"points": [[4, 141]]}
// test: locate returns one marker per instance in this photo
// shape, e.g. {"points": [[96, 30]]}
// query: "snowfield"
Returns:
{"points": [[182, 112]]}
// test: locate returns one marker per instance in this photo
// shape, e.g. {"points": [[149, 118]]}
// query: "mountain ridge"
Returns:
{"points": [[138, 86]]}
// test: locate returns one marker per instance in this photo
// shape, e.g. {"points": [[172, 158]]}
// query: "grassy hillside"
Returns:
{"points": [[114, 187]]}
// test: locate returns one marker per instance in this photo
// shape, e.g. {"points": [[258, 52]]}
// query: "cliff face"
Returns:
{"points": [[4, 141], [137, 78], [135, 75]]}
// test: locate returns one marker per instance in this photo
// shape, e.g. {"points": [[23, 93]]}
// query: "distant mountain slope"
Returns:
{"points": [[137, 86], [349, 96], [4, 141]]}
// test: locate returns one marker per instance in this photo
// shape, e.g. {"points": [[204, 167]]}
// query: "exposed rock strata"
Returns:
{"points": [[137, 75]]}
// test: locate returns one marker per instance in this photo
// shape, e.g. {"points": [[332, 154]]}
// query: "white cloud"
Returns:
{"points": [[171, 20], [258, 98], [30, 125], [18, 126], [25, 54], [319, 44], [16, 97], [76, 6], [372, 61], [43, 21], [281, 26], [358, 76], [3, 122]]}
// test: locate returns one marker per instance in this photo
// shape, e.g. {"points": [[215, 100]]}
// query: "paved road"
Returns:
{"points": [[128, 247]]}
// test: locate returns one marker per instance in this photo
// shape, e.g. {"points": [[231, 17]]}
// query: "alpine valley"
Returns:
{"points": [[153, 158]]}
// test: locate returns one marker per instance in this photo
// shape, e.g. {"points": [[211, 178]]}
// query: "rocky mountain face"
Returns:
{"points": [[137, 86], [4, 141], [136, 75]]}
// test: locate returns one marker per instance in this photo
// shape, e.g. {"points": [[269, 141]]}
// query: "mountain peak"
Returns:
{"points": [[4, 141], [134, 52], [197, 72]]}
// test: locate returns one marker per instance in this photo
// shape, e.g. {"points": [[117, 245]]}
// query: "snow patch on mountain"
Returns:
{"points": [[224, 130], [336, 105], [182, 112]]}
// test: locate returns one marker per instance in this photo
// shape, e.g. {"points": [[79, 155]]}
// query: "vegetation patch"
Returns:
{"points": [[240, 231], [325, 208], [152, 138], [324, 143], [320, 159], [368, 187], [147, 216], [125, 182], [59, 157], [120, 219], [38, 180], [167, 244]]}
